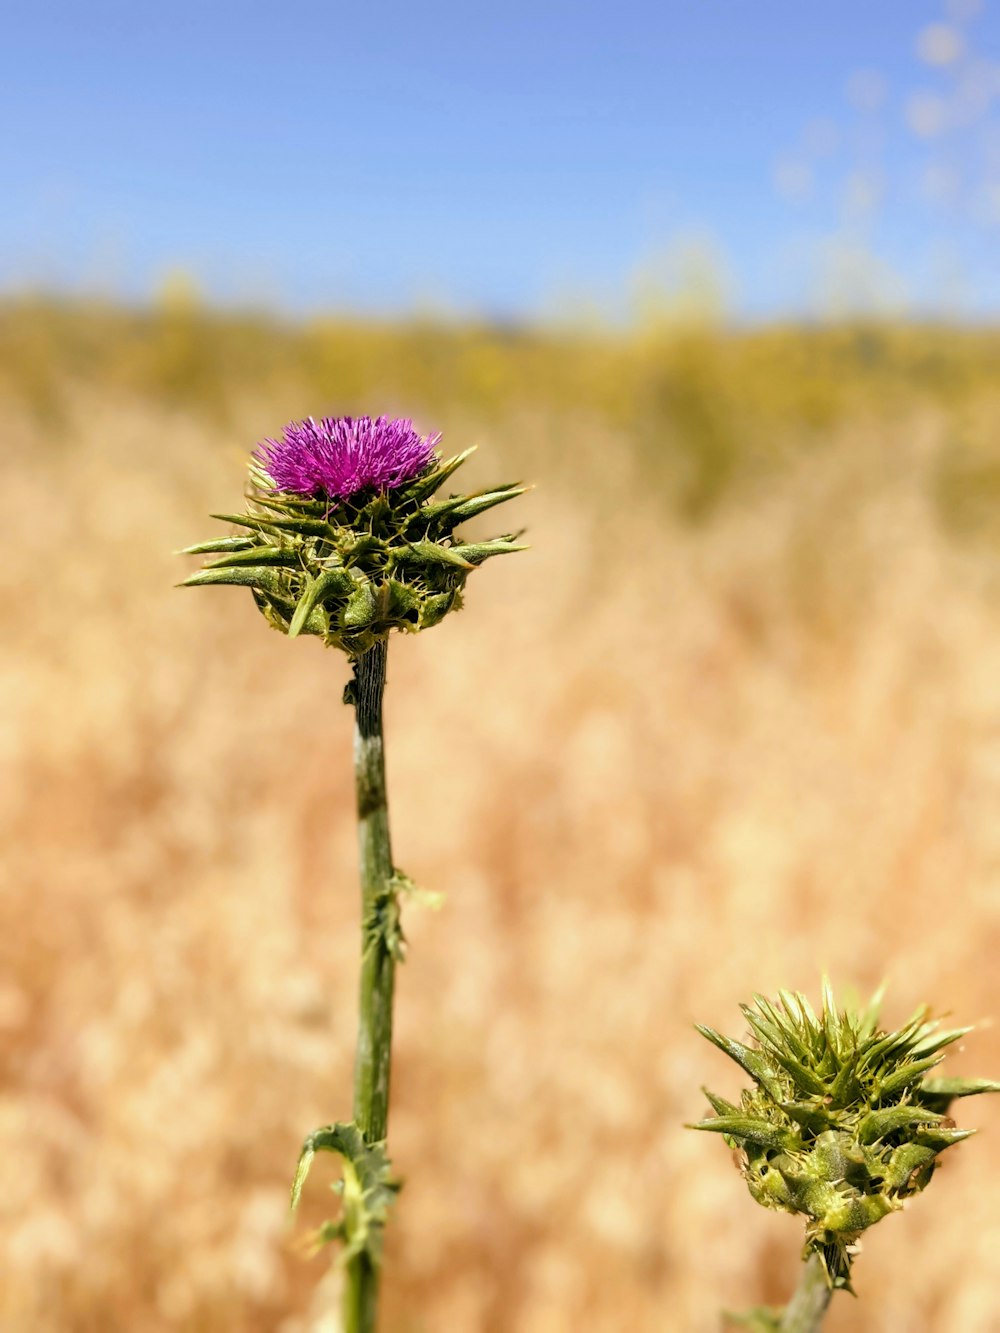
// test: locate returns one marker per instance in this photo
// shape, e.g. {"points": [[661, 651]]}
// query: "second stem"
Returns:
{"points": [[807, 1308]]}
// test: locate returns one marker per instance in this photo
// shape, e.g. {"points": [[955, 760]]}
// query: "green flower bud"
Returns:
{"points": [[840, 1124]]}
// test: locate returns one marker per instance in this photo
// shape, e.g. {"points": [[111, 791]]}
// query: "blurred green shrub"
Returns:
{"points": [[701, 410]]}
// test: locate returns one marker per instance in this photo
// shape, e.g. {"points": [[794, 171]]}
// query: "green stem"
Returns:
{"points": [[807, 1308], [371, 1069], [360, 1296]]}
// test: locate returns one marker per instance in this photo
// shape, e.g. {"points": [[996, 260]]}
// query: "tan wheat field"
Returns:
{"points": [[678, 752]]}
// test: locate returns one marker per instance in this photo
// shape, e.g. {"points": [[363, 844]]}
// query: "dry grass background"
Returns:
{"points": [[656, 765]]}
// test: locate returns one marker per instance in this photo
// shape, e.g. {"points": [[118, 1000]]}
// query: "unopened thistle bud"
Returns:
{"points": [[341, 537], [843, 1123]]}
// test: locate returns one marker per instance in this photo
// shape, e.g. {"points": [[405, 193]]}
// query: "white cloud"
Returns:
{"points": [[821, 137], [978, 88], [960, 11], [862, 193], [927, 115], [986, 204], [793, 179], [940, 184], [939, 44], [866, 89]]}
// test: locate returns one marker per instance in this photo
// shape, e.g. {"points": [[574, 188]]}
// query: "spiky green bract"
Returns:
{"points": [[351, 570], [368, 1190], [842, 1123]]}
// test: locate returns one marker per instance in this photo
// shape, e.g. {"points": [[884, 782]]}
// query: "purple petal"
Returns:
{"points": [[338, 456]]}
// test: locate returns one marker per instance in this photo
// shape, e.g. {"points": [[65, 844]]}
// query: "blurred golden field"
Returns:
{"points": [[734, 720]]}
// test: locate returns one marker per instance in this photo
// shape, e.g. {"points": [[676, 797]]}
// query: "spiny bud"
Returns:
{"points": [[341, 537], [842, 1124]]}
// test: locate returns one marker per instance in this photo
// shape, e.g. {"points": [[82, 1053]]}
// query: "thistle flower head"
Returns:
{"points": [[842, 1124], [339, 456], [341, 537]]}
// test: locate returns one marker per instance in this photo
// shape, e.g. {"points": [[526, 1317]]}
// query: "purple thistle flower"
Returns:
{"points": [[338, 456]]}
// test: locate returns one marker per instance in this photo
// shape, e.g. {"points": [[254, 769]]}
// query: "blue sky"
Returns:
{"points": [[505, 161]]}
